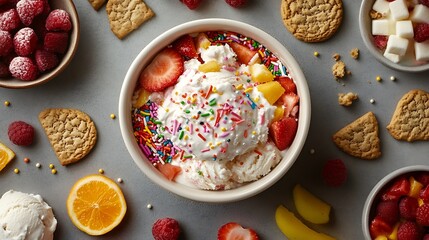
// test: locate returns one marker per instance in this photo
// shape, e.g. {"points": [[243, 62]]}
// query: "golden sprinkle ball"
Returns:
{"points": [[54, 171], [101, 171], [51, 166], [112, 116], [7, 103], [378, 78], [316, 54], [16, 170]]}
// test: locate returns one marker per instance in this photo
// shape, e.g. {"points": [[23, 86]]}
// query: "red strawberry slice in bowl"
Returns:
{"points": [[244, 54], [234, 231], [170, 171], [283, 132], [287, 84], [185, 46], [290, 102], [163, 71]]}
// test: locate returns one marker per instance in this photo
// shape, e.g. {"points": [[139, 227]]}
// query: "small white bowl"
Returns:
{"points": [[366, 34], [146, 55], [68, 6], [375, 194]]}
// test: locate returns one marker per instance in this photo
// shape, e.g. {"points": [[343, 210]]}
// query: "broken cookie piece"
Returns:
{"points": [[346, 99], [339, 69]]}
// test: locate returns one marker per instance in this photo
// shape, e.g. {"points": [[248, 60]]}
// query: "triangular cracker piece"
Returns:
{"points": [[127, 15], [72, 133], [410, 121], [360, 138]]}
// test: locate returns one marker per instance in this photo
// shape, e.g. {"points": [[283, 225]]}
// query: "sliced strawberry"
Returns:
{"points": [[185, 46], [401, 187], [244, 54], [379, 227], [170, 171], [289, 101], [380, 41], [287, 84], [283, 132], [234, 231], [163, 71]]}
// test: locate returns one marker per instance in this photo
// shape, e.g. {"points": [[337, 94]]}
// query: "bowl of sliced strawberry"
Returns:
{"points": [[398, 206], [38, 40], [214, 110]]}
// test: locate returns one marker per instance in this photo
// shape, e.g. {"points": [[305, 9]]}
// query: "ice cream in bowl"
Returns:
{"points": [[214, 110]]}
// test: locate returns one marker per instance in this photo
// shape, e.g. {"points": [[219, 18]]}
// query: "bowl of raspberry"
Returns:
{"points": [[398, 206], [396, 32], [38, 39], [214, 110]]}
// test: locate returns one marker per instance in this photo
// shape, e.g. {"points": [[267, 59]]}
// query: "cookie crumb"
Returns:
{"points": [[375, 15], [346, 99], [354, 53], [339, 69], [336, 57]]}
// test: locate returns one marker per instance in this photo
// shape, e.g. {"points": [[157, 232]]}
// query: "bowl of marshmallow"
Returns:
{"points": [[214, 110], [396, 32]]}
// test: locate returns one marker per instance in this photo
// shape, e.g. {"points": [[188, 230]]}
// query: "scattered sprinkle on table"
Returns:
{"points": [[51, 166], [16, 170], [392, 78], [101, 171], [112, 116], [54, 171], [372, 101], [149, 206], [26, 160], [316, 54], [7, 103], [378, 78], [119, 180], [38, 165]]}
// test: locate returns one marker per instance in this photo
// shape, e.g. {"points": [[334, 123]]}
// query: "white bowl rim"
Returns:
{"points": [[208, 24], [380, 184], [365, 7]]}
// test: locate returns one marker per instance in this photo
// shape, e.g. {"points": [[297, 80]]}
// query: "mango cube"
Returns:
{"points": [[272, 91], [202, 42], [415, 188], [260, 73], [210, 66], [310, 207], [142, 98], [278, 113], [294, 229]]}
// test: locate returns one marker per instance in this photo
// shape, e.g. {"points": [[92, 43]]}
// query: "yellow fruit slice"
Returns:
{"points": [[415, 187], [272, 91], [260, 73], [142, 98], [210, 66], [310, 207], [96, 204], [294, 229], [6, 155]]}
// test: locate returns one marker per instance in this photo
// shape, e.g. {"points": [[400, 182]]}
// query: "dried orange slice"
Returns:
{"points": [[6, 155], [96, 204]]}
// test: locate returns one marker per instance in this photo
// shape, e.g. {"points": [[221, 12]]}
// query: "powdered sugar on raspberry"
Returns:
{"points": [[58, 20], [9, 20], [6, 43], [23, 68], [28, 10], [25, 41]]}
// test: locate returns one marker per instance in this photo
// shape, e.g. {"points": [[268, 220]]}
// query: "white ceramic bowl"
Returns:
{"points": [[365, 27], [368, 209], [67, 5], [146, 55]]}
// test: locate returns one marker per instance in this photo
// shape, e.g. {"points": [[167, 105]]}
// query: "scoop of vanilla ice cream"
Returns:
{"points": [[25, 217]]}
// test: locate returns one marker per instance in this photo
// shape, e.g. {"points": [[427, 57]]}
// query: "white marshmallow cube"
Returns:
{"points": [[397, 45], [381, 6], [392, 57], [422, 51], [404, 29], [420, 14], [399, 10], [380, 27]]}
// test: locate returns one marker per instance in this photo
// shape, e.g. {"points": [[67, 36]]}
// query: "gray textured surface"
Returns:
{"points": [[92, 83]]}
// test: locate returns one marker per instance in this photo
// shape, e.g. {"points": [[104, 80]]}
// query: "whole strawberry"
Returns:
{"points": [[21, 133], [166, 229], [192, 4], [409, 231], [236, 3], [334, 173]]}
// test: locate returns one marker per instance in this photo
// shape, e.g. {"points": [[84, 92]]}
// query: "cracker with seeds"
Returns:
{"points": [[410, 121], [310, 20], [360, 138], [127, 15], [71, 133], [97, 4]]}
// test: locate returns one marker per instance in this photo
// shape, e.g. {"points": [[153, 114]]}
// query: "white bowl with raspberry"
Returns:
{"points": [[406, 59], [398, 205], [39, 39], [161, 49]]}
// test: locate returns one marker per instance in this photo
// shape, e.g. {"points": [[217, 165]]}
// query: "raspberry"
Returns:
{"points": [[29, 9], [408, 208], [421, 32], [388, 211], [424, 2], [166, 229], [380, 41], [6, 43], [21, 133], [4, 70], [45, 60], [58, 20], [56, 42], [192, 4], [25, 41], [9, 20], [422, 215], [23, 68], [409, 231], [423, 178], [334, 172], [426, 236], [236, 3]]}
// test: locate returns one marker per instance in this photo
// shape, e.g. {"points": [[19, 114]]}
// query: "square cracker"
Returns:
{"points": [[127, 15], [97, 4]]}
